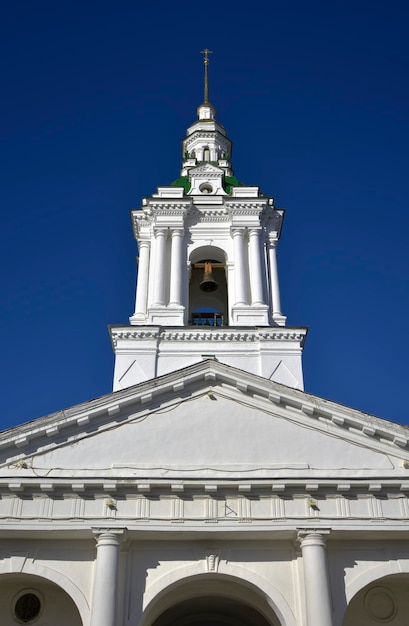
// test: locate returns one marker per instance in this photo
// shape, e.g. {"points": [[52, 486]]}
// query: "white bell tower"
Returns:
{"points": [[207, 272]]}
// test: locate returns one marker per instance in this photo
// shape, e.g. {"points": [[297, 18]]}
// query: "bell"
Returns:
{"points": [[208, 283]]}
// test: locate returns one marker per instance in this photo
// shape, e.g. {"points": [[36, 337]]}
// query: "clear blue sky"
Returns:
{"points": [[96, 97]]}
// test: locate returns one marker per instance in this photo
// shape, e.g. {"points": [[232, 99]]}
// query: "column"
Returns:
{"points": [[275, 290], [256, 280], [176, 272], [143, 278], [160, 267], [240, 273], [103, 608], [316, 580]]}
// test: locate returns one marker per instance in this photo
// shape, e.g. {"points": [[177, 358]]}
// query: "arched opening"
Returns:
{"points": [[27, 599], [211, 600], [384, 601], [211, 611], [206, 154], [208, 304]]}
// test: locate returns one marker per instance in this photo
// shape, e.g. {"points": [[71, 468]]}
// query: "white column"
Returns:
{"points": [[240, 282], [256, 280], [103, 608], [143, 278], [275, 290], [316, 579], [176, 272], [160, 267]]}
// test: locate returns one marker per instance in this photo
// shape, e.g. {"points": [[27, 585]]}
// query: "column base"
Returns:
{"points": [[138, 319], [166, 315], [279, 319], [250, 315]]}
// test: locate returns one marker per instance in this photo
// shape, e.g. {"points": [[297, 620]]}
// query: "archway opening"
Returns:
{"points": [[383, 601], [211, 611], [211, 600], [208, 307]]}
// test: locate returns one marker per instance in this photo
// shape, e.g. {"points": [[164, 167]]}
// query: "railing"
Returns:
{"points": [[207, 319]]}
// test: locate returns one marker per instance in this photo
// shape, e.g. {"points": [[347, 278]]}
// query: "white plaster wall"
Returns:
{"points": [[215, 432]]}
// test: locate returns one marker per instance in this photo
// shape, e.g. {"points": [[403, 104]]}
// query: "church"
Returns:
{"points": [[208, 488]]}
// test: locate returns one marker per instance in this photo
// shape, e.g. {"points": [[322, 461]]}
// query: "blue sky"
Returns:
{"points": [[96, 100]]}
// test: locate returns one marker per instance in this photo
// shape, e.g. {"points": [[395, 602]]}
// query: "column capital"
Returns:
{"points": [[273, 240], [160, 230], [312, 536], [237, 231], [177, 231], [109, 536], [144, 243]]}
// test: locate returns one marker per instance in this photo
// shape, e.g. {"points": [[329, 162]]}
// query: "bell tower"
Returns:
{"points": [[207, 282]]}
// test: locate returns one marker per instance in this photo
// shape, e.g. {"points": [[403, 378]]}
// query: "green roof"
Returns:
{"points": [[231, 181], [182, 181], [228, 183]]}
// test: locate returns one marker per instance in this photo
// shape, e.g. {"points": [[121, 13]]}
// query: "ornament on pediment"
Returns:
{"points": [[206, 170]]}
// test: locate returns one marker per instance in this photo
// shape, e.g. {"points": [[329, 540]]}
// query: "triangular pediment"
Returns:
{"points": [[205, 169], [207, 420]]}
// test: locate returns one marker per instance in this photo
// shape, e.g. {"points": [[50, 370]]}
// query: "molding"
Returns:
{"points": [[184, 334]]}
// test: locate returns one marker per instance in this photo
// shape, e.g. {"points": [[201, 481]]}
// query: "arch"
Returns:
{"points": [[12, 566], [200, 252], [177, 586], [374, 574], [383, 599], [214, 303]]}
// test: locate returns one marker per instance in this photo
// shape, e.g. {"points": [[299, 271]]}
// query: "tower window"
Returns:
{"points": [[206, 154], [206, 188]]}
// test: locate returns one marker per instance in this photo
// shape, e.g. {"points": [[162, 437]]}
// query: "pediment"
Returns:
{"points": [[206, 420], [206, 170]]}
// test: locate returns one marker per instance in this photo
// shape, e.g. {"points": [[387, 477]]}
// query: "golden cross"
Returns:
{"points": [[206, 53]]}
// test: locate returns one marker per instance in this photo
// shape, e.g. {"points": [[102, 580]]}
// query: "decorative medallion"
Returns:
{"points": [[380, 604]]}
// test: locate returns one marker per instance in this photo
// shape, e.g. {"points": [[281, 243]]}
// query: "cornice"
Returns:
{"points": [[267, 506], [160, 205], [193, 334], [241, 207], [214, 215]]}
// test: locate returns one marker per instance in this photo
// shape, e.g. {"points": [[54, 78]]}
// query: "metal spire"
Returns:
{"points": [[206, 53]]}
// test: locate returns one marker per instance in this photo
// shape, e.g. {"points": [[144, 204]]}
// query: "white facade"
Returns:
{"points": [[208, 488]]}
